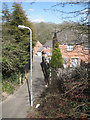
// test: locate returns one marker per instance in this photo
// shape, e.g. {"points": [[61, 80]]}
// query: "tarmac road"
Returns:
{"points": [[17, 105]]}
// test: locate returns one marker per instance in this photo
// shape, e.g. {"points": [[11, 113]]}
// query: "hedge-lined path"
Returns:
{"points": [[17, 105]]}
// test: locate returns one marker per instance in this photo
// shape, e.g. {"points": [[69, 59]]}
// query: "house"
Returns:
{"points": [[39, 51], [38, 45], [74, 54], [72, 48], [47, 48]]}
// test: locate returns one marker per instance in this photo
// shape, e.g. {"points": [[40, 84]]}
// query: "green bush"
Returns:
{"points": [[56, 60], [7, 87]]}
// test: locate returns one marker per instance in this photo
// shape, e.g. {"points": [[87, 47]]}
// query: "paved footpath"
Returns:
{"points": [[38, 78], [17, 105]]}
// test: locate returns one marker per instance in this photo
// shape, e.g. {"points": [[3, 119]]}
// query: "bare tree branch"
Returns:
{"points": [[64, 3], [33, 2]]}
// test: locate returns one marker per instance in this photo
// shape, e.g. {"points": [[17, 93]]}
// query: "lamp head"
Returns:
{"points": [[21, 26]]}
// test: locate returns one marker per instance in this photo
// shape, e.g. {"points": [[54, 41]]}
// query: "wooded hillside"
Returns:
{"points": [[66, 32]]}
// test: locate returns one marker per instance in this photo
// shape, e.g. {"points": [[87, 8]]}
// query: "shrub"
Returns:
{"points": [[56, 60]]}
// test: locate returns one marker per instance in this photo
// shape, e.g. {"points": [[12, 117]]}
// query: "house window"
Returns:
{"points": [[65, 62], [50, 54], [70, 47], [74, 62]]}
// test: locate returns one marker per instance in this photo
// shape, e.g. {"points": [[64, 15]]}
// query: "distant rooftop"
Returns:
{"points": [[48, 44], [40, 49], [70, 36]]}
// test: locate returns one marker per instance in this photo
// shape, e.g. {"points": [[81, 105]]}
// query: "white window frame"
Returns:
{"points": [[65, 62], [72, 64], [70, 47], [50, 53]]}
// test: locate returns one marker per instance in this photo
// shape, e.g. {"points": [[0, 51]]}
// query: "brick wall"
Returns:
{"points": [[78, 52]]}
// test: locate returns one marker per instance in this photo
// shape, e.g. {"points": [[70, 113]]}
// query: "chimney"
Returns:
{"points": [[54, 39]]}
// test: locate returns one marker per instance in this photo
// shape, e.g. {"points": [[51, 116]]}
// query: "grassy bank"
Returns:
{"points": [[10, 84]]}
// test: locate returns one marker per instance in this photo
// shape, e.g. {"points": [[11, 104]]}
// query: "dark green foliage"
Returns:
{"points": [[6, 86], [56, 60], [15, 44], [15, 53], [6, 13], [44, 31]]}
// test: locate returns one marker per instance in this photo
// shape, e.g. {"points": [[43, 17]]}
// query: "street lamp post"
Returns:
{"points": [[23, 27]]}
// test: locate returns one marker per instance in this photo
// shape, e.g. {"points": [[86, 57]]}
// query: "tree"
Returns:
{"points": [[5, 13], [56, 60], [81, 16], [18, 17], [15, 50], [44, 33]]}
